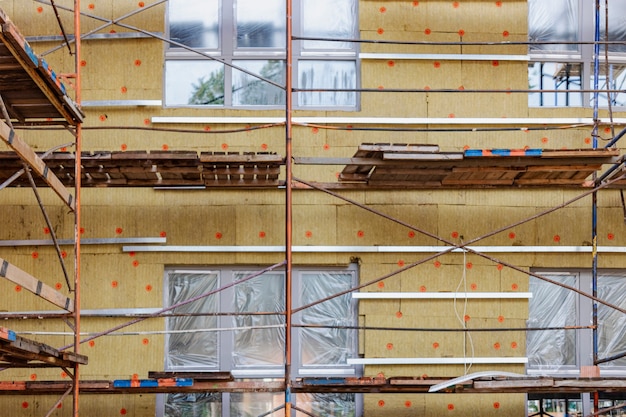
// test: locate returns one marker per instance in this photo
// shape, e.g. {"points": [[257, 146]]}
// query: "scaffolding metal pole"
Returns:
{"points": [[594, 197], [288, 205], [77, 212]]}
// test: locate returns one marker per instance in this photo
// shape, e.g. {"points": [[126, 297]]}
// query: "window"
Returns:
{"points": [[560, 352], [563, 351], [231, 53], [247, 337], [562, 61]]}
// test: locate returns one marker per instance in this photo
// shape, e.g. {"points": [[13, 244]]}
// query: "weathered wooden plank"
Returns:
{"points": [[398, 147], [449, 156], [37, 287], [246, 158], [514, 383], [29, 156]]}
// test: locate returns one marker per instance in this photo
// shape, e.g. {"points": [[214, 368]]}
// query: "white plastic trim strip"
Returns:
{"points": [[439, 295], [387, 120], [446, 57], [436, 361], [372, 249]]}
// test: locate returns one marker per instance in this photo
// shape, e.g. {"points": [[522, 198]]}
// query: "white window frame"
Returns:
{"points": [[584, 308], [227, 53], [584, 56], [225, 276]]}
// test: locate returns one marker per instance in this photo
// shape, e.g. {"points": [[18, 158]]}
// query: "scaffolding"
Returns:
{"points": [[373, 166]]}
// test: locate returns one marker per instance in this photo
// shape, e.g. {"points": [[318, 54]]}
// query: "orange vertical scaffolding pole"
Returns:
{"points": [[288, 207], [77, 212]]}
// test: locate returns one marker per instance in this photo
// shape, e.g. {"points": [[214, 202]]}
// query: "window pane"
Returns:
{"points": [[612, 323], [553, 76], [262, 346], [554, 21], [252, 91], [194, 23], [617, 25], [194, 83], [335, 19], [340, 405], [611, 77], [327, 75], [552, 306], [261, 24], [193, 405], [197, 348], [256, 404], [327, 346]]}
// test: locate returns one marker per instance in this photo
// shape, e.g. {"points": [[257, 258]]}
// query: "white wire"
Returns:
{"points": [[466, 335]]}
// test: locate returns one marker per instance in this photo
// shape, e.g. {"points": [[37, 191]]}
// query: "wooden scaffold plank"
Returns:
{"points": [[37, 287], [29, 156]]}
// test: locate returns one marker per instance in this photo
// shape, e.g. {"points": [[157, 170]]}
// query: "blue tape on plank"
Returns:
{"points": [[149, 383], [184, 382], [31, 54], [127, 383], [324, 381], [10, 336], [474, 152], [502, 152]]}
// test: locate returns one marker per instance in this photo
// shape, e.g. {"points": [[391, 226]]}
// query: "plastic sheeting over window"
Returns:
{"points": [[193, 405], [323, 75], [260, 24], [196, 349], [331, 19], [327, 346], [263, 345], [612, 323], [552, 306], [617, 25], [336, 405], [553, 21]]}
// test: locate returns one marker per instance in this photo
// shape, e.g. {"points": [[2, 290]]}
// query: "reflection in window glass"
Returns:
{"points": [[552, 306], [250, 90], [334, 19], [565, 407], [202, 83], [265, 345], [260, 24], [257, 404], [553, 21], [196, 349], [193, 405], [611, 77], [194, 22], [562, 79], [327, 75]]}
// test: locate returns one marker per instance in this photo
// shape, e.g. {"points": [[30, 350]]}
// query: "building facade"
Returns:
{"points": [[338, 211]]}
